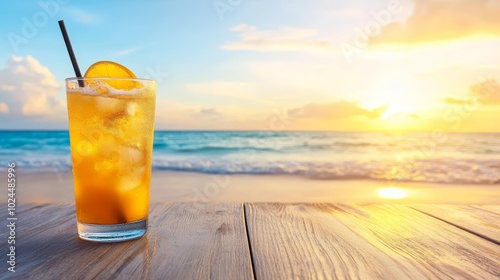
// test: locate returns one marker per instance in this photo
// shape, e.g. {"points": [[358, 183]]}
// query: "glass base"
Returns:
{"points": [[112, 233]]}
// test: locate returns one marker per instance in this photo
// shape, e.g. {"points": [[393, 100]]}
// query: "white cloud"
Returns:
{"points": [[4, 108], [485, 93], [242, 91], [283, 39], [29, 88], [298, 79], [81, 15], [345, 12], [188, 116], [7, 88], [444, 20], [127, 51], [337, 110]]}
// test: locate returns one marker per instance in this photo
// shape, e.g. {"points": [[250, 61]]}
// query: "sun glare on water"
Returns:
{"points": [[392, 193]]}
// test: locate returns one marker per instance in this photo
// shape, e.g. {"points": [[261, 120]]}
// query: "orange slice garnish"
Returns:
{"points": [[110, 69]]}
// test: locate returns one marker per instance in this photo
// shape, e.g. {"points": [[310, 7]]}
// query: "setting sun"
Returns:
{"points": [[290, 139]]}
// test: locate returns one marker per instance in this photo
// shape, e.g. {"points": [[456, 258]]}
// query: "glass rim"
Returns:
{"points": [[108, 79]]}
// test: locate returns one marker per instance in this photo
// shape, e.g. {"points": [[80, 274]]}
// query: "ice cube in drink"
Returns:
{"points": [[111, 135]]}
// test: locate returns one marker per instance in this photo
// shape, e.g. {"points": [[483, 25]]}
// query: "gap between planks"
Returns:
{"points": [[480, 235], [252, 262], [353, 241]]}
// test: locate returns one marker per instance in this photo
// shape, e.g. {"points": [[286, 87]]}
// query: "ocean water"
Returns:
{"points": [[458, 158]]}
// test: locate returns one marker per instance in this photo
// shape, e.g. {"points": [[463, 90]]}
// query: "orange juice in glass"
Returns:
{"points": [[111, 124]]}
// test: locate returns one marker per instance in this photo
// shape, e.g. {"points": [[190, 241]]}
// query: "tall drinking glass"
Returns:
{"points": [[111, 124]]}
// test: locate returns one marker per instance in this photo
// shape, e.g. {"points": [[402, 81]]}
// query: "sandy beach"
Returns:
{"points": [[57, 187]]}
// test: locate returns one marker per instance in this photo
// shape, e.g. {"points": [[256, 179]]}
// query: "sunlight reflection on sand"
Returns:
{"points": [[393, 193]]}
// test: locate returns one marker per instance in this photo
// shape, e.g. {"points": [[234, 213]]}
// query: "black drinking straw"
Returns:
{"points": [[71, 53]]}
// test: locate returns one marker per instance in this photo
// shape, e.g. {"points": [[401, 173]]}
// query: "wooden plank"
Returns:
{"points": [[491, 208], [184, 241], [364, 242], [305, 241], [480, 222], [436, 248]]}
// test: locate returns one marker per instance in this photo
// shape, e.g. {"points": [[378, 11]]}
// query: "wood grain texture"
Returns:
{"points": [[288, 241], [437, 249], [306, 241], [491, 208], [363, 242], [184, 241], [478, 221]]}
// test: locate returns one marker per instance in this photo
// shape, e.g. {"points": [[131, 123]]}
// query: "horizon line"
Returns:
{"points": [[267, 131]]}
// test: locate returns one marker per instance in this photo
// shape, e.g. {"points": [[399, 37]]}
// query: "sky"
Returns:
{"points": [[361, 65]]}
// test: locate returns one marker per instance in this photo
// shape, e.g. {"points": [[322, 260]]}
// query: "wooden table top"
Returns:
{"points": [[267, 241]]}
